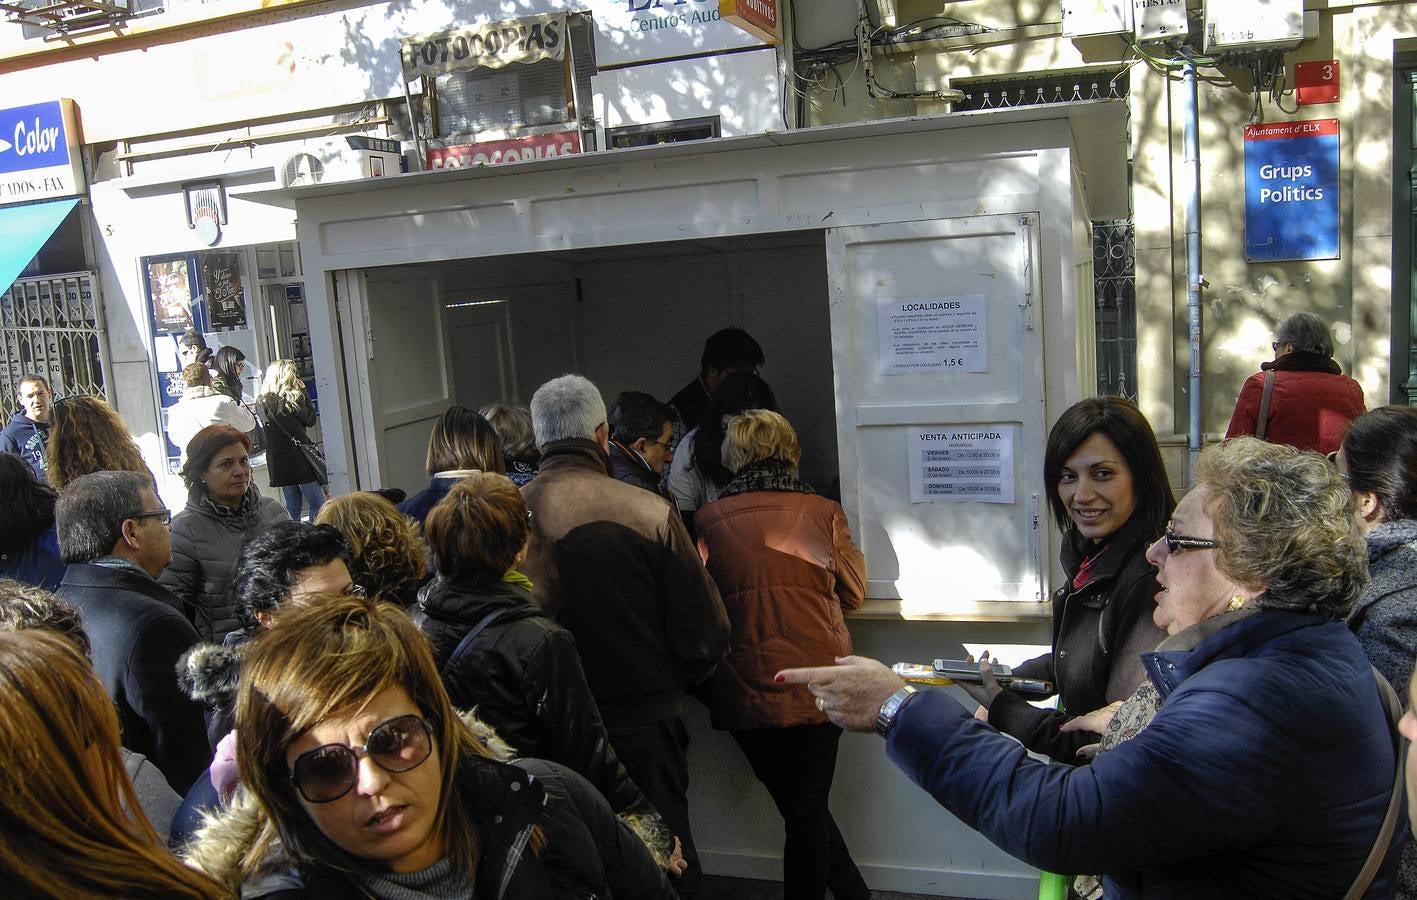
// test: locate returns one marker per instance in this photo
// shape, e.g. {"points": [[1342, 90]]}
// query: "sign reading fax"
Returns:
{"points": [[39, 155]]}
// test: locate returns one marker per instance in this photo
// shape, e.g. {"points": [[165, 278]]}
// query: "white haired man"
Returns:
{"points": [[616, 567]]}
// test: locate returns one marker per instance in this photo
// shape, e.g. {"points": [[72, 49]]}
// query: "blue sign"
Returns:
{"points": [[1291, 190], [33, 137]]}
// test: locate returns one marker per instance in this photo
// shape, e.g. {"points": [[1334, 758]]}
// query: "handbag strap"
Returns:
{"points": [[1262, 424], [471, 636], [1393, 707], [273, 419]]}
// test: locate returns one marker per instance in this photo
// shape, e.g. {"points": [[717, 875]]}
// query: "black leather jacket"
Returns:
{"points": [[1100, 631], [523, 674]]}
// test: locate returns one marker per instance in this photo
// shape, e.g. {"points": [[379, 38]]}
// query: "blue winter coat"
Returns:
{"points": [[1266, 773]]}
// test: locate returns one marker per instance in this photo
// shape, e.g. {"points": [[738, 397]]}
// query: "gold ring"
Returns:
{"points": [[822, 704]]}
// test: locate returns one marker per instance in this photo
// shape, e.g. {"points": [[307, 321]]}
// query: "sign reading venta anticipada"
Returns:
{"points": [[1291, 190], [490, 46], [39, 152]]}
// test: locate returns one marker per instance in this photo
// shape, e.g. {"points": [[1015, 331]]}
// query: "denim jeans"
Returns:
{"points": [[313, 494]]}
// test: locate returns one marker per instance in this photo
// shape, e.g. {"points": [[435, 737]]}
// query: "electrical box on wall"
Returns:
{"points": [[1232, 25], [1094, 18], [1160, 20]]}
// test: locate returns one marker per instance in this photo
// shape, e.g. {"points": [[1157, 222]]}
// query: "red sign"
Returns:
{"points": [[757, 17], [497, 153], [1317, 81], [1278, 131]]}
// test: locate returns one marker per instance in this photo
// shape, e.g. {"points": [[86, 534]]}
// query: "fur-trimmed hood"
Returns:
{"points": [[208, 673]]}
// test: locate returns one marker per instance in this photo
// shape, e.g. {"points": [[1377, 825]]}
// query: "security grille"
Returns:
{"points": [[522, 95], [1105, 84], [1114, 280], [53, 326]]}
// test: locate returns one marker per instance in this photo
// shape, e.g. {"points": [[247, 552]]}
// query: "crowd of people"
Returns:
{"points": [[479, 690]]}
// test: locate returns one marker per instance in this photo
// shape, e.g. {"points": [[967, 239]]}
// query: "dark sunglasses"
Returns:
{"points": [[1176, 541], [327, 773], [162, 515]]}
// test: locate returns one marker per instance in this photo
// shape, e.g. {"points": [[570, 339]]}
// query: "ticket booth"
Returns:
{"points": [[922, 290]]}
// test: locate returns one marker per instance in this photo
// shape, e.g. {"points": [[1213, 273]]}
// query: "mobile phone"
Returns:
{"points": [[964, 670]]}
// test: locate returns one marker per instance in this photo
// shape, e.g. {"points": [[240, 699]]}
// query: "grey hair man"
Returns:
{"points": [[617, 568], [115, 536]]}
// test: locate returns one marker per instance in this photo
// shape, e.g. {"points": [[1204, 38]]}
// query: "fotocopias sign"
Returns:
{"points": [[1291, 190], [497, 153]]}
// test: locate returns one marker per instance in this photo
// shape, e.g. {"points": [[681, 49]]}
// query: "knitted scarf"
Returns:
{"points": [[767, 475]]}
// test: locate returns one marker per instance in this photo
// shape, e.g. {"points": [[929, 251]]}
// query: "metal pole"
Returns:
{"points": [[1192, 180], [422, 160]]}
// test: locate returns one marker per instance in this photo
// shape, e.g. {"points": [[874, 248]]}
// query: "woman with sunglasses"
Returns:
{"points": [[368, 783], [73, 825], [1256, 760], [1108, 492]]}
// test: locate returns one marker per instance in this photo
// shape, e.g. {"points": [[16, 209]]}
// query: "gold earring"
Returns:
{"points": [[1235, 603]]}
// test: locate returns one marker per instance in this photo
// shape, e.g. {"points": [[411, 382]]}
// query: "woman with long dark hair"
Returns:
{"points": [[697, 475], [230, 367], [1108, 492], [29, 547]]}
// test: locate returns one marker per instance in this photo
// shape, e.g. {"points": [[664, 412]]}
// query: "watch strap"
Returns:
{"points": [[892, 707]]}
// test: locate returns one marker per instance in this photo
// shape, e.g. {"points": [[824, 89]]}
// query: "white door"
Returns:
{"points": [[907, 300], [480, 346], [406, 366]]}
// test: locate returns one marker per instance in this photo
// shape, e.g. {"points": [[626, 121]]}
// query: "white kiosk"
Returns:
{"points": [[922, 289]]}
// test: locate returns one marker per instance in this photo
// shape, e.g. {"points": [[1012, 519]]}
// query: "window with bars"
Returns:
{"points": [[53, 326], [1114, 280]]}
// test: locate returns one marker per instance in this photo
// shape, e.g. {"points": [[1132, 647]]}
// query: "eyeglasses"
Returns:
{"points": [[162, 515], [667, 445], [1175, 542], [327, 773]]}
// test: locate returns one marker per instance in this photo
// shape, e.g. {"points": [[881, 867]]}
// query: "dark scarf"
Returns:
{"points": [[1302, 361], [248, 503], [767, 475]]}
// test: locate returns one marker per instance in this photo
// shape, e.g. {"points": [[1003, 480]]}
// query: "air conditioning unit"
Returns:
{"points": [[341, 159], [1235, 25]]}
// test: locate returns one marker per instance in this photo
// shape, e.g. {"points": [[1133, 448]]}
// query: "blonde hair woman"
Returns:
{"points": [[368, 782], [386, 550], [785, 565], [285, 406], [72, 822], [86, 436]]}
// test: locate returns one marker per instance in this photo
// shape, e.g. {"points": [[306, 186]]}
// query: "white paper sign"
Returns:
{"points": [[956, 464], [943, 334]]}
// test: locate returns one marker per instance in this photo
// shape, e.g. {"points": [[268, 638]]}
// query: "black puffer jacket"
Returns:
{"points": [[1099, 633], [524, 676], [588, 852]]}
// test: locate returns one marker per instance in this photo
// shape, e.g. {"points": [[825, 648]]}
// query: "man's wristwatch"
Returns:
{"points": [[891, 708]]}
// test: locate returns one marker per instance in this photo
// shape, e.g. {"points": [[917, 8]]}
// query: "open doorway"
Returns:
{"points": [[475, 331]]}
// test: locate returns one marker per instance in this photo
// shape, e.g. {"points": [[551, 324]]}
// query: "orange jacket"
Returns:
{"points": [[787, 570]]}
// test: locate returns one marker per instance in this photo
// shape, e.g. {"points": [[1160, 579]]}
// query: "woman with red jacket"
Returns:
{"points": [[787, 570], [1311, 401]]}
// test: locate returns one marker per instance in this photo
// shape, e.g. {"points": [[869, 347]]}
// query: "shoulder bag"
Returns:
{"points": [[312, 454], [1262, 423]]}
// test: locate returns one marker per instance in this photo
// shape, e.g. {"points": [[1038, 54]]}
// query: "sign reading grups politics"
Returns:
{"points": [[489, 46], [1291, 190], [937, 334], [975, 463], [39, 152]]}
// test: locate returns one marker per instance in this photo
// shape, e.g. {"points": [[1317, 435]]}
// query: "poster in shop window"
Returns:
{"points": [[935, 334], [971, 463], [170, 286], [221, 282]]}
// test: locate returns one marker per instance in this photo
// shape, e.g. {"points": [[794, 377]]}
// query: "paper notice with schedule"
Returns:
{"points": [[974, 462]]}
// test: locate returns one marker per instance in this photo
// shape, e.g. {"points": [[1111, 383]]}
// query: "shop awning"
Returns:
{"points": [[23, 230]]}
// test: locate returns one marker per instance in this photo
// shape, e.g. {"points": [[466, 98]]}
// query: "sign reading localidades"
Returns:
{"points": [[38, 152], [1291, 190]]}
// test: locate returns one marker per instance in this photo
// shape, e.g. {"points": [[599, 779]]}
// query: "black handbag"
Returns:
{"points": [[312, 453], [259, 441]]}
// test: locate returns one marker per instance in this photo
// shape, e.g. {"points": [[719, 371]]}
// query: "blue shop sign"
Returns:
{"points": [[1291, 190], [38, 152]]}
